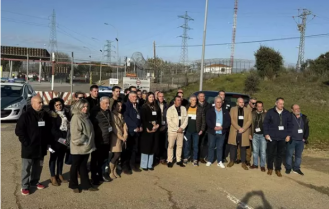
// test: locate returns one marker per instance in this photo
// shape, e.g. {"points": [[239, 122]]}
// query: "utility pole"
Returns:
{"points": [[53, 34], [71, 76], [27, 65], [53, 60], [40, 68], [185, 37], [233, 33], [155, 63], [203, 45], [108, 51], [301, 27]]}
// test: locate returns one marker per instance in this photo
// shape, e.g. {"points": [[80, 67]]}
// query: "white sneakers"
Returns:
{"points": [[221, 165]]}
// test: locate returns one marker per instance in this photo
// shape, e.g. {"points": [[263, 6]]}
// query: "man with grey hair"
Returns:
{"points": [[218, 121], [100, 117], [133, 120], [298, 138]]}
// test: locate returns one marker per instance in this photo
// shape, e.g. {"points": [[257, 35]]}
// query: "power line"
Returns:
{"points": [[25, 15], [250, 42], [24, 22]]}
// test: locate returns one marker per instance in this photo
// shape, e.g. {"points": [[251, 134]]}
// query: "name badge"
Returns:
{"points": [[110, 129], [281, 128], [163, 123], [138, 116], [213, 105], [154, 113], [193, 117], [179, 117], [241, 117], [300, 131], [41, 123], [257, 130], [218, 124]]}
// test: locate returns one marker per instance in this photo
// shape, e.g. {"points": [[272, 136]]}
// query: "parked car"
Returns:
{"points": [[15, 98], [105, 91], [230, 97]]}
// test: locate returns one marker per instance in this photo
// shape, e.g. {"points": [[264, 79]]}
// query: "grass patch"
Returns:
{"points": [[311, 94]]}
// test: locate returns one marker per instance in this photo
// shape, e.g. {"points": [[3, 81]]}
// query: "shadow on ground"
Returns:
{"points": [[244, 202]]}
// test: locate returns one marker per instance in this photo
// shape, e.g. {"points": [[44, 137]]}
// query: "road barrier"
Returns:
{"points": [[49, 95]]}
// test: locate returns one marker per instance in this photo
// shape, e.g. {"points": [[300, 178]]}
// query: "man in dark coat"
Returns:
{"points": [[100, 117], [277, 130], [161, 153], [203, 142], [133, 121], [34, 132], [93, 99], [299, 137]]}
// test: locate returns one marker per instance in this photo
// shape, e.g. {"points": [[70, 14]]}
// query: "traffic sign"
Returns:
{"points": [[140, 83], [114, 81]]}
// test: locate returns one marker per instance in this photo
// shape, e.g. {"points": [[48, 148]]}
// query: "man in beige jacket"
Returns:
{"points": [[177, 121]]}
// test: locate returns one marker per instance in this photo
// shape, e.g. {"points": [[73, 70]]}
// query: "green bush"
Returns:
{"points": [[268, 62], [251, 83]]}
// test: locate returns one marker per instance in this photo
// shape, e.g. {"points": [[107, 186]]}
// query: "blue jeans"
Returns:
{"points": [[218, 142], [297, 147], [259, 149], [191, 138], [146, 161]]}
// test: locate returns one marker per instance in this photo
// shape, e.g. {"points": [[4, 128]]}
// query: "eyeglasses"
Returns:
{"points": [[80, 98], [57, 105], [253, 103]]}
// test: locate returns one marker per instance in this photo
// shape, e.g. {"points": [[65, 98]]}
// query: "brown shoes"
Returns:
{"points": [[248, 163], [163, 162], [278, 173], [230, 164], [53, 181], [269, 172], [244, 166], [262, 169], [254, 167], [61, 179]]}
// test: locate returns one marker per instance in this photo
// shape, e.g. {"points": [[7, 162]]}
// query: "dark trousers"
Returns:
{"points": [[203, 146], [227, 147], [79, 164], [98, 159], [56, 158], [275, 151], [234, 150], [130, 151], [215, 141], [161, 151]]}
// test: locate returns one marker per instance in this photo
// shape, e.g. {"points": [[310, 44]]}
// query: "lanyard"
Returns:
{"points": [[300, 123], [280, 115], [259, 116]]}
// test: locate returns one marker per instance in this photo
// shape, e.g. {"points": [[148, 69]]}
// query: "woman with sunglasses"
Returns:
{"points": [[60, 127], [151, 120]]}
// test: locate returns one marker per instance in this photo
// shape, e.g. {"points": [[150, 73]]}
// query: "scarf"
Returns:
{"points": [[64, 123]]}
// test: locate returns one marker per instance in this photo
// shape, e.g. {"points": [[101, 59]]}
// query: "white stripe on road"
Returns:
{"points": [[237, 201]]}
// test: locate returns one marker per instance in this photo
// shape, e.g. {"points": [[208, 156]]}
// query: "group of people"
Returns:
{"points": [[142, 130]]}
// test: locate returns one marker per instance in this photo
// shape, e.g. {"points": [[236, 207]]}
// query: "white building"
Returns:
{"points": [[218, 69]]}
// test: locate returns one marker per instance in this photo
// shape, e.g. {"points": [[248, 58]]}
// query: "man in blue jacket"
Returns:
{"points": [[299, 137], [133, 121], [277, 130], [218, 121]]}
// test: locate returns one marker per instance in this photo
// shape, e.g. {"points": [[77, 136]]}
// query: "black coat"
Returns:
{"points": [[34, 139], [147, 141], [56, 122], [272, 122], [200, 118], [211, 121], [130, 116], [101, 123], [92, 103]]}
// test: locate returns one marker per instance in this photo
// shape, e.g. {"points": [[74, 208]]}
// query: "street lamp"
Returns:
{"points": [[89, 63], [117, 39]]}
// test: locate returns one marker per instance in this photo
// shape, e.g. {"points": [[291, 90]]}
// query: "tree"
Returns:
{"points": [[320, 65], [251, 83], [268, 62]]}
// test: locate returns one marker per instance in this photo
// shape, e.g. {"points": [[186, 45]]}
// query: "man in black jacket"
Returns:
{"points": [[34, 132], [100, 117], [162, 142], [277, 127], [298, 138], [93, 97], [203, 142], [218, 121]]}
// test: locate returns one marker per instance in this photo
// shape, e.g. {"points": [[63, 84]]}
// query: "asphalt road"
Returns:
{"points": [[176, 188]]}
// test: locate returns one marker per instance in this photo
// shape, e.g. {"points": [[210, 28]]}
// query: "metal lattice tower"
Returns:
{"points": [[108, 50], [301, 27], [233, 33], [52, 45], [185, 37]]}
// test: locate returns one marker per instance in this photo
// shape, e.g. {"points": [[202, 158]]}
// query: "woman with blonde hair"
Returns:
{"points": [[82, 144]]}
